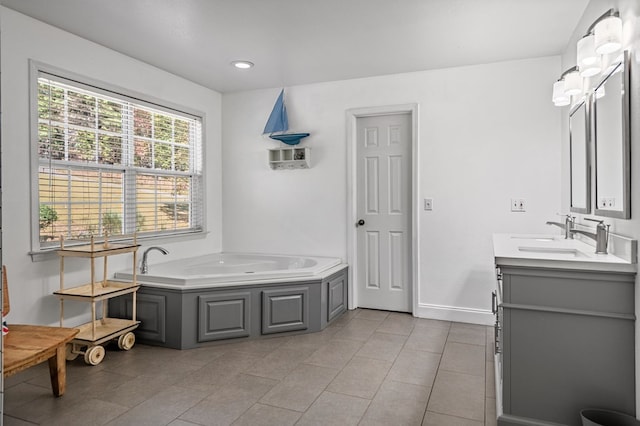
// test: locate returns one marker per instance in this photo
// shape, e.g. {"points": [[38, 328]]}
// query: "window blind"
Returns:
{"points": [[108, 165]]}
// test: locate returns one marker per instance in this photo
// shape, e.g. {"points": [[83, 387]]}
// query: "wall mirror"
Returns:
{"points": [[580, 166], [612, 142]]}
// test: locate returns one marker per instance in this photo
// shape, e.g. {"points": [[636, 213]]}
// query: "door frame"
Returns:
{"points": [[352, 192]]}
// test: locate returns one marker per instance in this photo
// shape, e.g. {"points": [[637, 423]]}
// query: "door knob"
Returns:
{"points": [[360, 222]]}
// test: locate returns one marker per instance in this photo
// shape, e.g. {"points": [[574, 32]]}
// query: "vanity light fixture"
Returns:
{"points": [[559, 97], [569, 84], [243, 65], [572, 82], [589, 61], [594, 53], [608, 33]]}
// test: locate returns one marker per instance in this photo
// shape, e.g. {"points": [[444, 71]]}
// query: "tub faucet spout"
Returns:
{"points": [[144, 268]]}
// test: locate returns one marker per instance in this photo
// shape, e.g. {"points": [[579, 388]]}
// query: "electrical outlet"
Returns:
{"points": [[518, 205], [606, 203], [428, 204]]}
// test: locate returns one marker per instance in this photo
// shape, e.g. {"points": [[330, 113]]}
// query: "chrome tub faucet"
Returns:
{"points": [[144, 268]]}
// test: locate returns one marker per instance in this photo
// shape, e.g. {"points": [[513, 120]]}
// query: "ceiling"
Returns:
{"points": [[296, 42]]}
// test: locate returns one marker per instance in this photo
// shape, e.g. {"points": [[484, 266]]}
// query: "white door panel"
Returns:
{"points": [[383, 158]]}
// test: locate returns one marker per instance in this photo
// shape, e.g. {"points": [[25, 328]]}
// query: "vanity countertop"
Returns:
{"points": [[553, 251]]}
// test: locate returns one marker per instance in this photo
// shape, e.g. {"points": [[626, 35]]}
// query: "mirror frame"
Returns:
{"points": [[625, 106], [581, 107]]}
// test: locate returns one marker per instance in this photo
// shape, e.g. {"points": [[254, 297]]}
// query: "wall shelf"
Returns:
{"points": [[289, 158]]}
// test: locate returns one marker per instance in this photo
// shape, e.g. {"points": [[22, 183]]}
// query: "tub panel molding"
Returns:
{"points": [[151, 311], [336, 297], [224, 316], [285, 310]]}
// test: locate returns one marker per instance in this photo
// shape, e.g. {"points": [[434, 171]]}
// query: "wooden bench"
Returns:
{"points": [[29, 345]]}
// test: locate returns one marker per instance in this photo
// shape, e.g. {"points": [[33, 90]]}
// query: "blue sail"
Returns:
{"points": [[279, 122]]}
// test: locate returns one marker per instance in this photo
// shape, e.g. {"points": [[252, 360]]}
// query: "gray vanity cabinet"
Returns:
{"points": [[565, 342]]}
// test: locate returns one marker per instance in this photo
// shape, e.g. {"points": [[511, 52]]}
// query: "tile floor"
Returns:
{"points": [[368, 368]]}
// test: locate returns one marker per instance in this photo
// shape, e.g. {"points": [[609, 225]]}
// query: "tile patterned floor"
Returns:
{"points": [[368, 368]]}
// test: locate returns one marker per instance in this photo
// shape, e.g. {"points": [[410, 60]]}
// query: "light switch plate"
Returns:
{"points": [[428, 204]]}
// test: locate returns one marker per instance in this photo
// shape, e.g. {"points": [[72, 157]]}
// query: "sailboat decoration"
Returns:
{"points": [[278, 124]]}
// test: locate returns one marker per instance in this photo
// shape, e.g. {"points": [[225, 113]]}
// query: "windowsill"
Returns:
{"points": [[50, 254]]}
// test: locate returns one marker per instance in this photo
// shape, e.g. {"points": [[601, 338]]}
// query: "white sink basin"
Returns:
{"points": [[556, 251], [533, 237]]}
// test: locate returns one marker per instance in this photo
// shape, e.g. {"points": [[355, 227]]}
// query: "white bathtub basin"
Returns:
{"points": [[221, 269]]}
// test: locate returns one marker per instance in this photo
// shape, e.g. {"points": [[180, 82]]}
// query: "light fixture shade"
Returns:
{"points": [[592, 69], [572, 84], [608, 35], [559, 98], [588, 60], [586, 51]]}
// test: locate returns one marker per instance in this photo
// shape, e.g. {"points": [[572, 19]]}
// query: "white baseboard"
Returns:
{"points": [[453, 313]]}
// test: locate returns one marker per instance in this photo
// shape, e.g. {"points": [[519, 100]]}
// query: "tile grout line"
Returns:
{"points": [[424, 415]]}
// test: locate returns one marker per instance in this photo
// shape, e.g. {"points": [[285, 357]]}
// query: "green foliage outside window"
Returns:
{"points": [[48, 215], [111, 223]]}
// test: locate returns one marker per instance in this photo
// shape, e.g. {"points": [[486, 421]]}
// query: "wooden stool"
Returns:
{"points": [[29, 345]]}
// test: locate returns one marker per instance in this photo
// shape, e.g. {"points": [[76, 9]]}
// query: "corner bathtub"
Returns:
{"points": [[223, 269], [192, 302]]}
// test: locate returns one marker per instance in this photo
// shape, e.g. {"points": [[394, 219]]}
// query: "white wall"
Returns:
{"points": [[630, 14], [488, 133], [31, 284]]}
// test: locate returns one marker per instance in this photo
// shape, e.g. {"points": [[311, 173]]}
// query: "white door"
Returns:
{"points": [[383, 211]]}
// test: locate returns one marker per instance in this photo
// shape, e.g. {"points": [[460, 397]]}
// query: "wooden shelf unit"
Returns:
{"points": [[289, 158], [101, 328]]}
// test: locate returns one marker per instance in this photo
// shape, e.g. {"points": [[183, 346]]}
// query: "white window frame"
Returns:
{"points": [[35, 70]]}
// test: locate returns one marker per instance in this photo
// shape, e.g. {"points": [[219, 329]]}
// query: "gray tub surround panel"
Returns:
{"points": [[184, 318], [224, 315], [564, 332], [285, 309]]}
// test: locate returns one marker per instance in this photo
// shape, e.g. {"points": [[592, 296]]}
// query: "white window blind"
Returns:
{"points": [[108, 165]]}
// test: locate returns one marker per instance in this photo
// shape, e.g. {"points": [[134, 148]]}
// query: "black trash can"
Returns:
{"points": [[593, 417]]}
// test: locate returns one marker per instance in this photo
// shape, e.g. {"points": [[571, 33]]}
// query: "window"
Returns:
{"points": [[108, 164]]}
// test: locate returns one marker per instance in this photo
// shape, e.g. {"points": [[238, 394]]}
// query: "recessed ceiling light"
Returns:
{"points": [[243, 65]]}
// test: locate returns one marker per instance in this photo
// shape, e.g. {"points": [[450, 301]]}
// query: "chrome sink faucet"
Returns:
{"points": [[568, 225], [144, 268], [601, 236]]}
